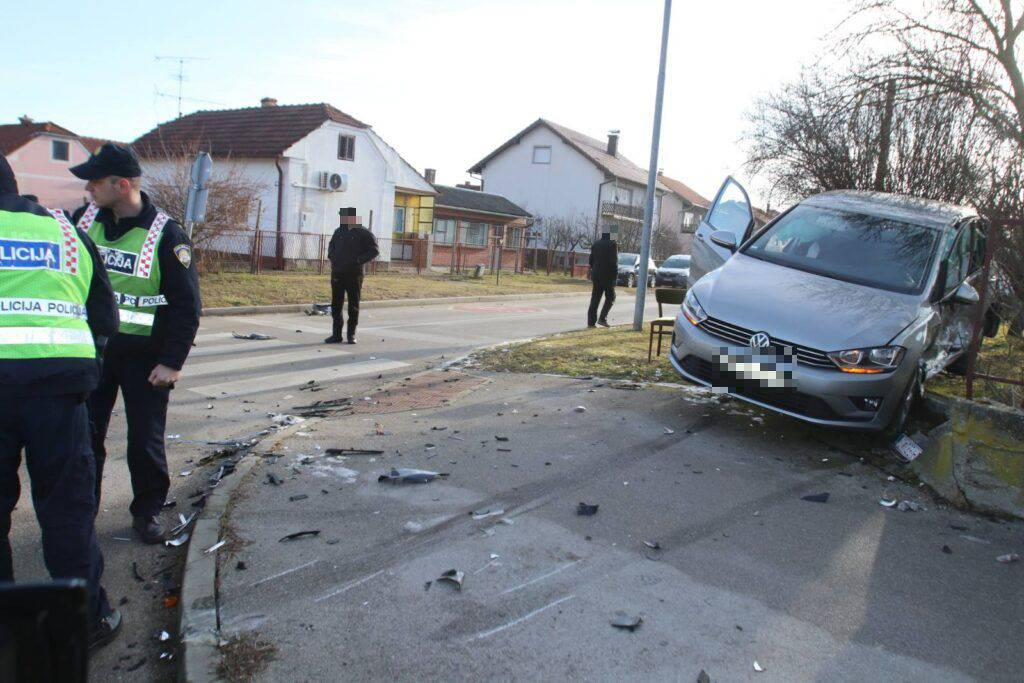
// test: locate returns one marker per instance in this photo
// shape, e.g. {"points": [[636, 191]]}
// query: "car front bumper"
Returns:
{"points": [[820, 396]]}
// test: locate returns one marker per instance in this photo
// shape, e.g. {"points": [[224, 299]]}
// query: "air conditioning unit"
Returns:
{"points": [[333, 182]]}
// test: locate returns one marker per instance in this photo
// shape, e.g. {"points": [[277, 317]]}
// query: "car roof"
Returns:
{"points": [[902, 207]]}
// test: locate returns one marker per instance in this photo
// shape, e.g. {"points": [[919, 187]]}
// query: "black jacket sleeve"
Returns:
{"points": [[100, 306], [179, 283], [369, 250], [332, 246]]}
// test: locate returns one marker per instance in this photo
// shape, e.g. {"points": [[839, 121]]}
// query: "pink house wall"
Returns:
{"points": [[38, 173]]}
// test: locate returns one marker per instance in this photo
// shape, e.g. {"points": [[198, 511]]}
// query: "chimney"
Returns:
{"points": [[268, 102], [613, 142], [24, 119], [430, 174]]}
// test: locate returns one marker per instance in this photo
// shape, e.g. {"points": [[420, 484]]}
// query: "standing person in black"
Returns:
{"points": [[149, 259], [604, 270], [351, 246], [56, 314]]}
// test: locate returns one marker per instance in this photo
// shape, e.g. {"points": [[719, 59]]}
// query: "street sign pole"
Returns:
{"points": [[652, 179], [195, 207]]}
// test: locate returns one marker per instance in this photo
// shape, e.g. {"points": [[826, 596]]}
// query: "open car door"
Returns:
{"points": [[731, 212]]}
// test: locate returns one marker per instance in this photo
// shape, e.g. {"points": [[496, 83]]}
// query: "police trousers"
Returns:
{"points": [[346, 282]]}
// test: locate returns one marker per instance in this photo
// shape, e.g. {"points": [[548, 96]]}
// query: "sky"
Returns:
{"points": [[445, 82]]}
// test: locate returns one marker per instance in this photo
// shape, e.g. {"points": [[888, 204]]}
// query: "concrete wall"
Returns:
{"points": [[976, 459], [38, 173]]}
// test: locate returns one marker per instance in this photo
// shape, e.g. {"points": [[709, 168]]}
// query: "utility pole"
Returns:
{"points": [[181, 73], [885, 136], [652, 178]]}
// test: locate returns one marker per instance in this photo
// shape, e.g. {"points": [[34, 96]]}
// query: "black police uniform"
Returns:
{"points": [[129, 359], [604, 270], [350, 248], [42, 411]]}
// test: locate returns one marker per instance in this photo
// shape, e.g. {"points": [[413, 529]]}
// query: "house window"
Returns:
{"points": [[475, 233], [513, 238], [687, 222], [399, 219], [541, 155], [444, 230], [347, 147], [59, 150]]}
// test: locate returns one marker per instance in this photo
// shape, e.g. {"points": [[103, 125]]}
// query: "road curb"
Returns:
{"points": [[389, 303], [198, 626]]}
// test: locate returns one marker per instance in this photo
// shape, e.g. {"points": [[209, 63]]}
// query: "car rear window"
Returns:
{"points": [[869, 250]]}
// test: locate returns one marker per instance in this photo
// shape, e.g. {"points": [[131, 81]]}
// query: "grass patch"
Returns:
{"points": [[1000, 356], [245, 657], [616, 353], [245, 289]]}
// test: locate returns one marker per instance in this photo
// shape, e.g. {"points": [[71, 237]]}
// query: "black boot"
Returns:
{"points": [[333, 339], [149, 529], [105, 629]]}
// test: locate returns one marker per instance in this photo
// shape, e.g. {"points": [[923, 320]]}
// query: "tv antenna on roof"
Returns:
{"points": [[181, 72]]}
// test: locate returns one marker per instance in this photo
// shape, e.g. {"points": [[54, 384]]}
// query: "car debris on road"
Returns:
{"points": [[403, 475]]}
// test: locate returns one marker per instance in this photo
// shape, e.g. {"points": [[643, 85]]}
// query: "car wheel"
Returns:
{"points": [[899, 419], [631, 281]]}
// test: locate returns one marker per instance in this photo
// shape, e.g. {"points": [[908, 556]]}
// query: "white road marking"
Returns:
{"points": [[204, 336], [499, 629], [348, 587], [291, 379], [242, 346], [541, 577], [213, 366], [286, 572]]}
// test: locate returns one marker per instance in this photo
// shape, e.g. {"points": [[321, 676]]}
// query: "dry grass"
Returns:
{"points": [[244, 289], [616, 353], [1000, 356], [244, 657]]}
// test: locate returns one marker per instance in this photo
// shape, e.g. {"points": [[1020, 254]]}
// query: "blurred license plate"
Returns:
{"points": [[743, 367]]}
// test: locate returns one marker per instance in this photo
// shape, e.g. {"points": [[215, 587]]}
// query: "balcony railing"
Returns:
{"points": [[622, 211]]}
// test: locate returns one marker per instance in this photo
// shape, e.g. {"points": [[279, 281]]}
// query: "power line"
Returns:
{"points": [[181, 74]]}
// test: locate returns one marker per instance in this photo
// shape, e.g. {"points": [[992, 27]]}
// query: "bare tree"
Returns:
{"points": [[233, 198]]}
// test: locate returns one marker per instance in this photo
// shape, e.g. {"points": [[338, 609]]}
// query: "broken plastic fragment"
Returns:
{"points": [[402, 475], [185, 473], [669, 431], [286, 420], [909, 506], [300, 496], [703, 677], [586, 510], [1008, 558], [887, 502], [501, 438], [816, 498], [299, 534], [163, 636], [215, 546], [453, 576], [625, 621], [758, 668], [484, 513], [252, 336], [580, 409], [653, 545], [354, 451], [175, 542]]}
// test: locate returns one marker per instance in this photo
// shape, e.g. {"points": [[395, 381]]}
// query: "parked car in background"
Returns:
{"points": [[673, 272], [629, 270], [837, 311]]}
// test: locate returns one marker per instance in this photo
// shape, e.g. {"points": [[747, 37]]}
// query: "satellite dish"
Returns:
{"points": [[335, 181]]}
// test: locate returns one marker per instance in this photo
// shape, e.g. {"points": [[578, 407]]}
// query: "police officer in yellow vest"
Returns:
{"points": [[149, 259], [56, 311]]}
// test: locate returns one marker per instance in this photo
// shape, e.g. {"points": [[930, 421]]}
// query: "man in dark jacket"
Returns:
{"points": [[149, 259], [604, 269], [56, 312], [351, 246]]}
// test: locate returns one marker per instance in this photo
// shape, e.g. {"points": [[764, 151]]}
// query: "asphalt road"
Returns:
{"points": [[228, 388], [747, 572]]}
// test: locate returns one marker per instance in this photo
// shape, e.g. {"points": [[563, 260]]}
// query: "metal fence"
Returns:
{"points": [[997, 362]]}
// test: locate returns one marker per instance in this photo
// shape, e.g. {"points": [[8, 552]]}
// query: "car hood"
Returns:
{"points": [[673, 271], [803, 308]]}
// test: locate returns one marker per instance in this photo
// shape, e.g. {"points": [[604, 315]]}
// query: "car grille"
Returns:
{"points": [[741, 336], [791, 401]]}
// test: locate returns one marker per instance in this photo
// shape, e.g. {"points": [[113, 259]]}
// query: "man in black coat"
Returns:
{"points": [[604, 269], [351, 246]]}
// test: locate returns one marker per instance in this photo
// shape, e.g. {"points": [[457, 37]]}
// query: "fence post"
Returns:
{"points": [[253, 251], [979, 313], [320, 256]]}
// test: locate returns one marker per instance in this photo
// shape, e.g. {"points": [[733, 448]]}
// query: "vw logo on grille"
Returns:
{"points": [[761, 340]]}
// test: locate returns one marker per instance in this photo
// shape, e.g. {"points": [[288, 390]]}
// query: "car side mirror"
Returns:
{"points": [[966, 294], [724, 239]]}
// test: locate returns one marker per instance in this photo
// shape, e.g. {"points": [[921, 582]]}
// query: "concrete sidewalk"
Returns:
{"points": [[747, 571]]}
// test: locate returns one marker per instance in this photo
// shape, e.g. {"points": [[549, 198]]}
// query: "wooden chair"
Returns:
{"points": [[664, 295]]}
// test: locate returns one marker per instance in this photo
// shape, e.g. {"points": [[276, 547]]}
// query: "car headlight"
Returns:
{"points": [[870, 361], [692, 309]]}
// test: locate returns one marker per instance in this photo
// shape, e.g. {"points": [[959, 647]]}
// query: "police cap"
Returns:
{"points": [[347, 211], [108, 160]]}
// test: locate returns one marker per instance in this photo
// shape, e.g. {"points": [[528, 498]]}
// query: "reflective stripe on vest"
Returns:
{"points": [[134, 271], [43, 288], [88, 216]]}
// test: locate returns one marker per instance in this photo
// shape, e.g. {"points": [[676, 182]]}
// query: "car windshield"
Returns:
{"points": [[867, 250], [676, 262], [627, 259]]}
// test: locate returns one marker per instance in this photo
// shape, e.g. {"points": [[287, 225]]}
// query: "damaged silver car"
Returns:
{"points": [[837, 311]]}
